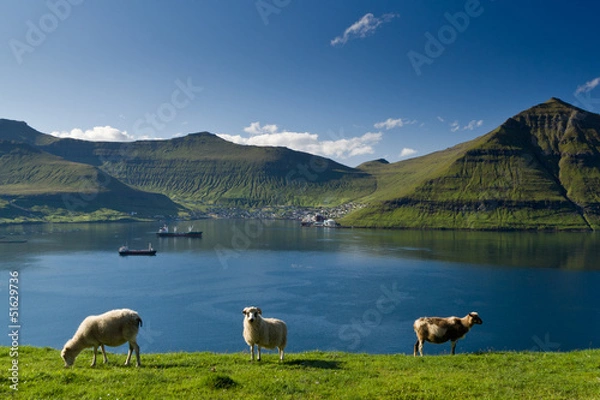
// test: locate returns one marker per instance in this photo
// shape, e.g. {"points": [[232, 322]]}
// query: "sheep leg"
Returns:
{"points": [[104, 358], [258, 359], [252, 353], [280, 354], [93, 364], [418, 346], [136, 347], [453, 346], [133, 346]]}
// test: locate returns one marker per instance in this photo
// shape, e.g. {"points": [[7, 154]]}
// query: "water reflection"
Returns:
{"points": [[572, 251]]}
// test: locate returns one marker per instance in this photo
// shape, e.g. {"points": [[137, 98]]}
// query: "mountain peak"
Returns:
{"points": [[19, 131], [557, 100], [553, 106]]}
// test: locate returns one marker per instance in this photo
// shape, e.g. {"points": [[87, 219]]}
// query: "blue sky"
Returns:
{"points": [[351, 80]]}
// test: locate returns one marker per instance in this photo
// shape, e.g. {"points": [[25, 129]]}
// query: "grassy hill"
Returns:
{"points": [[203, 169], [311, 375], [38, 186], [539, 170], [104, 180]]}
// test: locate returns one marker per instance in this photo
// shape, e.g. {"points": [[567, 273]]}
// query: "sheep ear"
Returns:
{"points": [[244, 311], [259, 311]]}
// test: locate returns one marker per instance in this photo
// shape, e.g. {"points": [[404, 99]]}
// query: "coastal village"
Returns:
{"points": [[302, 214]]}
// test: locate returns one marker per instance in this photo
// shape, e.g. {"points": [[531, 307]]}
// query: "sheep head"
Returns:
{"points": [[474, 319], [251, 313], [68, 355]]}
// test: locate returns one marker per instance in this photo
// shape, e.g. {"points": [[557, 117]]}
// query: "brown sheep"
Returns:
{"points": [[440, 330]]}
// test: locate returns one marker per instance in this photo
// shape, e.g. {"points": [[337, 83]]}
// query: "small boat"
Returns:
{"points": [[164, 232], [126, 251], [13, 241]]}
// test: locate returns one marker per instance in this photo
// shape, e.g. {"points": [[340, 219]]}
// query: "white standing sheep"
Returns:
{"points": [[263, 332], [440, 330], [113, 328]]}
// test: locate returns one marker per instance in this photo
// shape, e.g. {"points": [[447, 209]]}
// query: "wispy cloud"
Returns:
{"points": [[588, 86], [455, 125], [441, 119], [394, 123], [256, 129], [96, 134], [271, 135], [362, 28], [472, 125], [407, 152]]}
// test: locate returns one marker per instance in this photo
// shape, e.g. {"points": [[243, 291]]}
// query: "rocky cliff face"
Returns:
{"points": [[538, 170]]}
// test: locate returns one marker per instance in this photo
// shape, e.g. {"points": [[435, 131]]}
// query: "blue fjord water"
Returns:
{"points": [[338, 289]]}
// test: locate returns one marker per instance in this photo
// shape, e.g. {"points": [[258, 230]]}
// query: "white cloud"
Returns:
{"points": [[394, 123], [256, 129], [269, 135], [365, 26], [455, 125], [588, 86], [441, 119], [96, 134], [406, 152], [472, 125]]}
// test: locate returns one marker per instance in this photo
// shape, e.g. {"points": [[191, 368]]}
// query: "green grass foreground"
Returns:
{"points": [[310, 375]]}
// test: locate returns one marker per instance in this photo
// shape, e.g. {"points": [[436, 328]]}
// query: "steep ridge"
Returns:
{"points": [[538, 170], [19, 131]]}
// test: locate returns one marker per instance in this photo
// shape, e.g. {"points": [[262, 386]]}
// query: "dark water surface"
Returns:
{"points": [[346, 289]]}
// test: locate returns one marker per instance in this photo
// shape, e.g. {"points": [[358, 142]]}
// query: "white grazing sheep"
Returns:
{"points": [[113, 328], [440, 330], [264, 332]]}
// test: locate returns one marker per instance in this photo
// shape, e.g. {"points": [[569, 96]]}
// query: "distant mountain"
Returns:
{"points": [[38, 186], [538, 170], [165, 177], [202, 169], [19, 131]]}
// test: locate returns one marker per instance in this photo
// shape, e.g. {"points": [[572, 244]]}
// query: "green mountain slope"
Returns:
{"points": [[203, 169], [161, 177], [19, 131], [539, 170], [38, 186]]}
